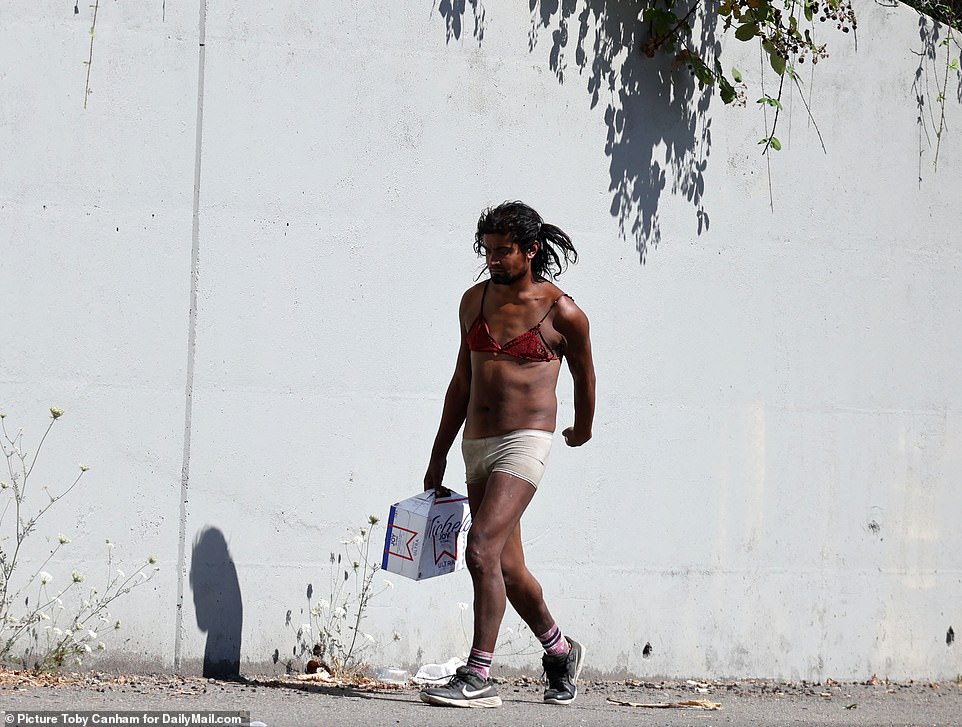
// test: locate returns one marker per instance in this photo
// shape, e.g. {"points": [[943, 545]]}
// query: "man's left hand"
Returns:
{"points": [[575, 438]]}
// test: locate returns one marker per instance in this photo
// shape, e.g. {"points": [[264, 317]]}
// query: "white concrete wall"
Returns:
{"points": [[773, 485]]}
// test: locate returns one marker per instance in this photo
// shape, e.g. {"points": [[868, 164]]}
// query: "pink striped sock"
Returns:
{"points": [[554, 642], [480, 662]]}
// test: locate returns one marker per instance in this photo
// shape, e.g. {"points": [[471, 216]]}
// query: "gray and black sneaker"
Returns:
{"points": [[562, 673], [466, 689]]}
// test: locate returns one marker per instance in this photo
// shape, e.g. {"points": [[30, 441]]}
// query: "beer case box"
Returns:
{"points": [[426, 536]]}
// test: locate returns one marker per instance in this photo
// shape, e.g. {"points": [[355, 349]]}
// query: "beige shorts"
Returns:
{"points": [[522, 453]]}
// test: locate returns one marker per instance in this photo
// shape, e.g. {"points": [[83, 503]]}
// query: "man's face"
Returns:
{"points": [[505, 260]]}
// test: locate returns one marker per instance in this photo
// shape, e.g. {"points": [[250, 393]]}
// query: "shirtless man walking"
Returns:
{"points": [[515, 329]]}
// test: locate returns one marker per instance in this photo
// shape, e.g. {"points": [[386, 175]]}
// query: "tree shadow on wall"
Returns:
{"points": [[217, 603], [934, 84], [658, 134]]}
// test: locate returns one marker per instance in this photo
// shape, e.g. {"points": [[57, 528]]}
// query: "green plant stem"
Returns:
{"points": [[359, 585], [22, 536], [37, 453], [945, 86], [46, 650], [661, 40], [808, 110], [54, 499], [37, 572], [90, 57], [778, 108], [28, 621]]}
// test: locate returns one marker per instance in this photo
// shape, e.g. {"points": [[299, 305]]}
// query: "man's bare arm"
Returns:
{"points": [[572, 323], [453, 415]]}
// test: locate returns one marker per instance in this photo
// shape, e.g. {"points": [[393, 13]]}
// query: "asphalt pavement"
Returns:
{"points": [[287, 702]]}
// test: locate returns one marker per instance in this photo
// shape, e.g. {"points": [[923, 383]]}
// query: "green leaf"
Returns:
{"points": [[727, 92], [778, 63], [662, 20], [771, 141], [808, 10], [747, 31], [737, 75]]}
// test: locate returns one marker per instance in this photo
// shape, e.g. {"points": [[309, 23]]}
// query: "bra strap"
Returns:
{"points": [[551, 307]]}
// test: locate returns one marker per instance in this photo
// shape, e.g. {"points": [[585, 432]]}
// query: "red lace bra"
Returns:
{"points": [[529, 346]]}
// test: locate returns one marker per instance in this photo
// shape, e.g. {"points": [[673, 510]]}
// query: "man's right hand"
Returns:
{"points": [[434, 476]]}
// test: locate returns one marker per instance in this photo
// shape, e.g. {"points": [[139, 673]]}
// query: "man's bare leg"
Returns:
{"points": [[496, 509], [505, 496], [522, 588]]}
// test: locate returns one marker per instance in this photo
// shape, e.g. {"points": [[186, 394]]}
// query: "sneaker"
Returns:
{"points": [[562, 673], [466, 689]]}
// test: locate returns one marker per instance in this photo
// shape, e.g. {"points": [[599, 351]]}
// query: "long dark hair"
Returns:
{"points": [[525, 227]]}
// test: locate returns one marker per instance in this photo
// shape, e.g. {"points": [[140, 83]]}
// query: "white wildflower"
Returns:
{"points": [[44, 616], [45, 577], [101, 646], [84, 468], [63, 539], [4, 485], [370, 638], [357, 540], [57, 631], [117, 625], [340, 612], [323, 604], [91, 634], [152, 559], [56, 412], [121, 574], [77, 576], [388, 583], [463, 606], [110, 546], [397, 636], [86, 648]]}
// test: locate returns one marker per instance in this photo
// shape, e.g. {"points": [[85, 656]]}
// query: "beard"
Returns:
{"points": [[503, 278]]}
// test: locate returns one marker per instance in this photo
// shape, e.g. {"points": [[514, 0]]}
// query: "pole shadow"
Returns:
{"points": [[217, 603]]}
